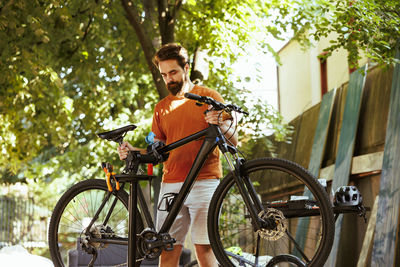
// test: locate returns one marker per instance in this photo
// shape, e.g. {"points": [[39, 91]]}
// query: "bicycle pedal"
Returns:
{"points": [[168, 241], [169, 247]]}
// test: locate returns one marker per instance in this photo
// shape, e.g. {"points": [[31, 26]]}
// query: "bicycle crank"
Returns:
{"points": [[277, 219], [151, 244]]}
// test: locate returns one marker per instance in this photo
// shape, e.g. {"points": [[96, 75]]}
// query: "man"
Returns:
{"points": [[176, 117]]}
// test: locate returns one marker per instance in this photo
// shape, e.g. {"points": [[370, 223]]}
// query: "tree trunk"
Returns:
{"points": [[166, 20], [199, 69], [147, 46]]}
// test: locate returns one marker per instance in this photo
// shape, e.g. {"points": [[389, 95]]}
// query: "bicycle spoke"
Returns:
{"points": [[75, 211], [299, 249], [278, 185]]}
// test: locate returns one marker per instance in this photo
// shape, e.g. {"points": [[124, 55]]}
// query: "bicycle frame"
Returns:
{"points": [[212, 138], [148, 243]]}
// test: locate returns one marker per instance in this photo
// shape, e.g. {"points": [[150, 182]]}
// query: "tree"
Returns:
{"points": [[73, 68], [370, 27]]}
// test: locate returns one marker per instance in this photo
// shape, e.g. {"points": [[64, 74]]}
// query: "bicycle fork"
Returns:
{"points": [[248, 193]]}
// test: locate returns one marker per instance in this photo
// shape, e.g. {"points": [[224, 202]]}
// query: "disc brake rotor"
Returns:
{"points": [[280, 221]]}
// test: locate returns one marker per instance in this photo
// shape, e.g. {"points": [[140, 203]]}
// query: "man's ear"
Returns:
{"points": [[187, 67]]}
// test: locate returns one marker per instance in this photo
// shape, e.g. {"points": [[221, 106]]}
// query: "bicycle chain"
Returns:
{"points": [[97, 232]]}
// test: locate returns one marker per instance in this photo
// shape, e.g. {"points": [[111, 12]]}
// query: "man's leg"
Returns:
{"points": [[205, 256], [178, 230], [198, 202], [170, 258]]}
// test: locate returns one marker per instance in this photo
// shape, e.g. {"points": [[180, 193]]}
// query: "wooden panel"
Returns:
{"points": [[372, 119], [360, 165], [367, 163], [368, 238], [387, 224], [346, 146], [321, 133], [317, 151], [335, 126], [374, 111]]}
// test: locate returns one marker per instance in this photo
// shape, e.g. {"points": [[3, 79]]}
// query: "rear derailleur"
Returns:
{"points": [[92, 247]]}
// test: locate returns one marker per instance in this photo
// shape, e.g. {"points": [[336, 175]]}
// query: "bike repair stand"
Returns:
{"points": [[133, 189], [135, 195]]}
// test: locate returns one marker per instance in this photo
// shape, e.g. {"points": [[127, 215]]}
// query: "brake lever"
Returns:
{"points": [[244, 112], [237, 109]]}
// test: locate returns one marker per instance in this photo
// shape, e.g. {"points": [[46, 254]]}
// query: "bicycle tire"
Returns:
{"points": [[76, 208], [279, 183]]}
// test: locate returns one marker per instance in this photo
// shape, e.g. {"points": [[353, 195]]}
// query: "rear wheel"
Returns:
{"points": [[68, 242], [292, 199]]}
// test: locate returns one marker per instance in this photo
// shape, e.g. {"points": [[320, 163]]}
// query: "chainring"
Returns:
{"points": [[146, 238]]}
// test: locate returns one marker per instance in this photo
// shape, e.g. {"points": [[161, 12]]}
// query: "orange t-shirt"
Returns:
{"points": [[178, 117]]}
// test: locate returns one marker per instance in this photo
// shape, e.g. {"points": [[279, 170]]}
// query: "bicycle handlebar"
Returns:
{"points": [[216, 104], [194, 97]]}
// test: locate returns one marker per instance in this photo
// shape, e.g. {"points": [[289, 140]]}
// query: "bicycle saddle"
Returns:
{"points": [[117, 135]]}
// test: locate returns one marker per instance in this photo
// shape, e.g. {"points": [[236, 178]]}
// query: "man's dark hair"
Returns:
{"points": [[172, 51]]}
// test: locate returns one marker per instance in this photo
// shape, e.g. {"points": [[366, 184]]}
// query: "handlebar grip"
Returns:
{"points": [[194, 97]]}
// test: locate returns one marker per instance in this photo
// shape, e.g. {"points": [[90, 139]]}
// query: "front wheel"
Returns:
{"points": [[71, 245], [292, 199]]}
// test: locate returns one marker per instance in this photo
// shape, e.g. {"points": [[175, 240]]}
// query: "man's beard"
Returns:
{"points": [[175, 87]]}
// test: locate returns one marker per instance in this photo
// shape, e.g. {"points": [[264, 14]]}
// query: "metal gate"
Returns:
{"points": [[16, 220]]}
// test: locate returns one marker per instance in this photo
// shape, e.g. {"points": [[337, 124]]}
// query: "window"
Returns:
{"points": [[323, 73]]}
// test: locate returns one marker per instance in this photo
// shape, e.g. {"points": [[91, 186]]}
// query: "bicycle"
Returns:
{"points": [[253, 215]]}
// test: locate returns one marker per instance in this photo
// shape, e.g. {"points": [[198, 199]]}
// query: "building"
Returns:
{"points": [[302, 81], [303, 77]]}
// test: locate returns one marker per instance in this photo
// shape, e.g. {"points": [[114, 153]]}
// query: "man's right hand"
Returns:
{"points": [[125, 147], [123, 150]]}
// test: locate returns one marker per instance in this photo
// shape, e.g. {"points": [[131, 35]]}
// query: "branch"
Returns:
{"points": [[147, 46], [187, 11], [178, 5], [87, 27], [390, 10], [162, 16], [85, 34], [148, 6], [166, 18], [9, 3]]}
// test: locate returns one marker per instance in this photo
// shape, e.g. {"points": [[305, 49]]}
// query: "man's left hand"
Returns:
{"points": [[214, 117]]}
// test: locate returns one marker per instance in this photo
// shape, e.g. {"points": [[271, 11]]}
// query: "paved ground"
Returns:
{"points": [[17, 256]]}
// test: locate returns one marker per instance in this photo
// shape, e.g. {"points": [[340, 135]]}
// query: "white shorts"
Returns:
{"points": [[193, 212]]}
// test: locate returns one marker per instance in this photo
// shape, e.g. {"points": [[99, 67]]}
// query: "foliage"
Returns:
{"points": [[370, 27], [64, 76], [73, 68]]}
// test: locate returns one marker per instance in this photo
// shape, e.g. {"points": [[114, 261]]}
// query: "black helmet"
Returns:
{"points": [[347, 196]]}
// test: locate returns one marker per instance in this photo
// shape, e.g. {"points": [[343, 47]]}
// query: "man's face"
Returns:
{"points": [[173, 74]]}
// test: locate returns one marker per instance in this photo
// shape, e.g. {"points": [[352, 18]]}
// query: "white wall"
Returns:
{"points": [[299, 76], [294, 81]]}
